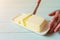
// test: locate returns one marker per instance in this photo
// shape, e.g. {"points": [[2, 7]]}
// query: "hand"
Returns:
{"points": [[54, 24]]}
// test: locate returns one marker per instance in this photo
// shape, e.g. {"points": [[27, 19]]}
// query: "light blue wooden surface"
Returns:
{"points": [[11, 8]]}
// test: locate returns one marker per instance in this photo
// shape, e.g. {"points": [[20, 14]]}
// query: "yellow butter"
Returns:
{"points": [[27, 17], [36, 23], [19, 19], [31, 22]]}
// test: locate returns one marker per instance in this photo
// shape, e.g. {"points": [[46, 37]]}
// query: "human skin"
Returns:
{"points": [[54, 23]]}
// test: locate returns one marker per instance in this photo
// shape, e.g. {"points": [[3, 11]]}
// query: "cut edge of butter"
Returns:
{"points": [[43, 24], [26, 17]]}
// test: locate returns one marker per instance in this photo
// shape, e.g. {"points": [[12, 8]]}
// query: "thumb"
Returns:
{"points": [[52, 14]]}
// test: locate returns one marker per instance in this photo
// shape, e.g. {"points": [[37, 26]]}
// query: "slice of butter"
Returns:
{"points": [[33, 23], [19, 19], [27, 17]]}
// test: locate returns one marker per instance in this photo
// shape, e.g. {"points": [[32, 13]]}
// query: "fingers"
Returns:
{"points": [[57, 13], [55, 18], [54, 27], [52, 14], [52, 21], [57, 28]]}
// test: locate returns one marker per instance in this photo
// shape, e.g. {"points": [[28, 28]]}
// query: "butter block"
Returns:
{"points": [[32, 22], [36, 23]]}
